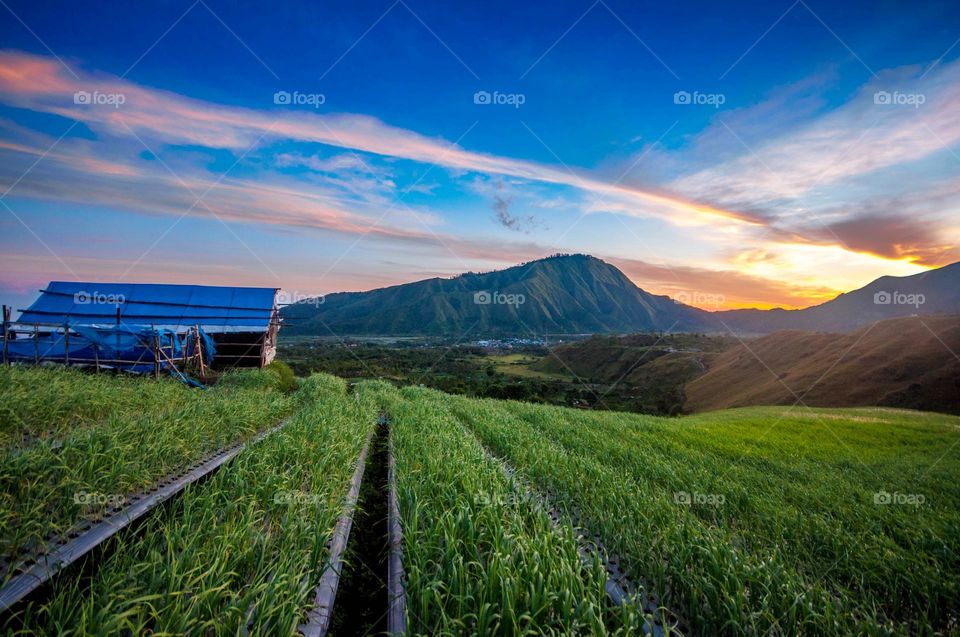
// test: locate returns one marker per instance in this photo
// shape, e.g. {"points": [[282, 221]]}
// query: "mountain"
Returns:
{"points": [[579, 294], [562, 294], [905, 362], [932, 292]]}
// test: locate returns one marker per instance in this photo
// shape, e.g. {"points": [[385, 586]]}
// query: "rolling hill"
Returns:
{"points": [[907, 362], [580, 294]]}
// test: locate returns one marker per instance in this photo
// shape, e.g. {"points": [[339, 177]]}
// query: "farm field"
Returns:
{"points": [[66, 461], [739, 522], [763, 519], [242, 551]]}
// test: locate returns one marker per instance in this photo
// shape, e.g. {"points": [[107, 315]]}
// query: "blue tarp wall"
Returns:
{"points": [[126, 347]]}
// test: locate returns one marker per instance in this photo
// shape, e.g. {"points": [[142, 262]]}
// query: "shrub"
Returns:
{"points": [[288, 382]]}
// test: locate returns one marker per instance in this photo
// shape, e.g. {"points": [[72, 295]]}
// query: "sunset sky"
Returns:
{"points": [[773, 154]]}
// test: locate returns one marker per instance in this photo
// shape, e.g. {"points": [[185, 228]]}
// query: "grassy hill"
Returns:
{"points": [[909, 362]]}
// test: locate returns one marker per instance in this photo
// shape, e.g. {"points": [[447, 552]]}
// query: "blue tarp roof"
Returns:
{"points": [[216, 309]]}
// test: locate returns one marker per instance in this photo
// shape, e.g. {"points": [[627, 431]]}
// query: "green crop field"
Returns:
{"points": [[759, 521]]}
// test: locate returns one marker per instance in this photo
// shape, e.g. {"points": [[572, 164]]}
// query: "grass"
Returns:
{"points": [[240, 552], [41, 403], [479, 556], [759, 520], [123, 445], [521, 365], [747, 521]]}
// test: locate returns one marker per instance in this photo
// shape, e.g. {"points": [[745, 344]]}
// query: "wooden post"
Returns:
{"points": [[203, 371], [116, 338], [6, 333], [156, 351]]}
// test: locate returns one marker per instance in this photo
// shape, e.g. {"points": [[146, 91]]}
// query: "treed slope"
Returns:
{"points": [[571, 294], [609, 359], [909, 362]]}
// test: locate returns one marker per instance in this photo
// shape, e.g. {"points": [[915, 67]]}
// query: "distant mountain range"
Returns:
{"points": [[579, 294]]}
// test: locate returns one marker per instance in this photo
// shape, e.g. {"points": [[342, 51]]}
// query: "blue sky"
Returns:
{"points": [[785, 180]]}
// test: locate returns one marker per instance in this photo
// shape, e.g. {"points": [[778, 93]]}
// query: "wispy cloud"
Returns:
{"points": [[42, 84]]}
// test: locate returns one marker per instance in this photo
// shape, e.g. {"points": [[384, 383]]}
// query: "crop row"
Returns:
{"points": [[55, 484], [739, 534], [241, 552], [480, 556], [42, 403]]}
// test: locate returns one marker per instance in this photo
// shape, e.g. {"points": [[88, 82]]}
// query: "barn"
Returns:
{"points": [[242, 322]]}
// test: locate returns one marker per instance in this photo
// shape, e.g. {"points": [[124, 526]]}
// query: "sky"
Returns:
{"points": [[756, 154]]}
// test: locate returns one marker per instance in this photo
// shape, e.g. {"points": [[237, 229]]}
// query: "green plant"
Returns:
{"points": [[288, 382], [758, 520], [241, 553], [481, 557], [50, 486]]}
